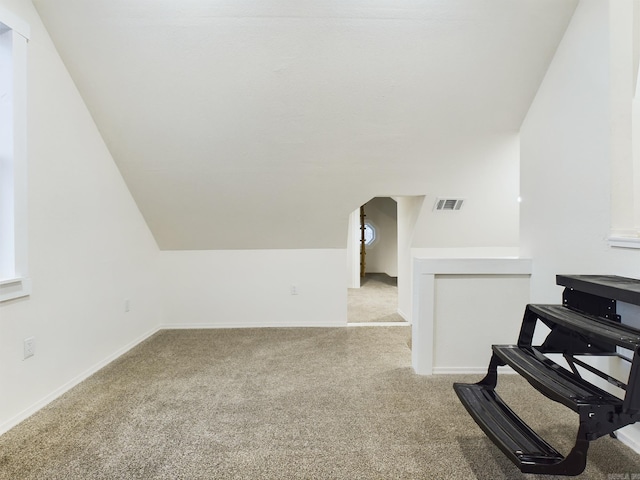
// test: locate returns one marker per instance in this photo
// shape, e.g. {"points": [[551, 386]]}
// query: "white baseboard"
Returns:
{"points": [[458, 370], [379, 324], [27, 412], [468, 370], [630, 436], [209, 326], [403, 315]]}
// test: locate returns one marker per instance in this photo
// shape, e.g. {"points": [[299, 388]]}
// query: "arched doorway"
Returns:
{"points": [[375, 299]]}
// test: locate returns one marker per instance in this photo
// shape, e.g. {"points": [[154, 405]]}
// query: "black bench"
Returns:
{"points": [[585, 325]]}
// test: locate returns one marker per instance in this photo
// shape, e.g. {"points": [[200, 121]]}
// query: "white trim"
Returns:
{"points": [[14, 257], [403, 315], [14, 288], [378, 324], [629, 437], [353, 250], [422, 347], [374, 229], [624, 242], [26, 413], [213, 326], [474, 266], [459, 371], [470, 370], [20, 159], [15, 23]]}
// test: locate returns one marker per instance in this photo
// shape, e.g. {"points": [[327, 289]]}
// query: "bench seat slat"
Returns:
{"points": [[515, 438], [608, 286], [596, 328], [553, 380]]}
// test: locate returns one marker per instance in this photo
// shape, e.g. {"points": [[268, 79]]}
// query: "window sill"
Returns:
{"points": [[624, 242], [14, 288]]}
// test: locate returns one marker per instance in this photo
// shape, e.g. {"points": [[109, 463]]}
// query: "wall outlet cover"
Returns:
{"points": [[29, 347]]}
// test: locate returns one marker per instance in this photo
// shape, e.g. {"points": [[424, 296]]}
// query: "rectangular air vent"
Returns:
{"points": [[448, 204]]}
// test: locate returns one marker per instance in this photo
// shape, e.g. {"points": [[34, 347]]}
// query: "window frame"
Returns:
{"points": [[14, 278], [374, 233]]}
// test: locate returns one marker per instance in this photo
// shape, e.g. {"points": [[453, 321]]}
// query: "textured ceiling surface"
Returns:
{"points": [[259, 124]]}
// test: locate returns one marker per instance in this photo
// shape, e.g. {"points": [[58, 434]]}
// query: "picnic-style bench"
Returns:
{"points": [[585, 326]]}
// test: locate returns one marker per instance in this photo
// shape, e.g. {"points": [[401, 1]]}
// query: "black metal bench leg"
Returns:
{"points": [[491, 378], [576, 461], [573, 464]]}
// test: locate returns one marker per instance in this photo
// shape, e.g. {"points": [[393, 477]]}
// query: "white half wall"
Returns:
{"points": [[473, 312], [89, 248], [463, 306], [253, 288]]}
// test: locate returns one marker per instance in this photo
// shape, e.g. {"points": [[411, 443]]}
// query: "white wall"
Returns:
{"points": [[89, 247], [252, 288], [486, 226], [566, 162], [566, 149], [382, 256], [408, 212], [486, 175]]}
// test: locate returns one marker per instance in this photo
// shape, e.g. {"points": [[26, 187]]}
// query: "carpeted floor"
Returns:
{"points": [[316, 403], [375, 301]]}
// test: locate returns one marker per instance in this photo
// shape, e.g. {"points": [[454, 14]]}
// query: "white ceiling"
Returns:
{"points": [[259, 123]]}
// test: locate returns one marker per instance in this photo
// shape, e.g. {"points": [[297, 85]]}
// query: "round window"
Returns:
{"points": [[369, 234]]}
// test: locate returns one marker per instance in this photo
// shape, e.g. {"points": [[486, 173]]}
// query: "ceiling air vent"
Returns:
{"points": [[448, 204]]}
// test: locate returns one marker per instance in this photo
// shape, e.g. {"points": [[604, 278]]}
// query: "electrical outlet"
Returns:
{"points": [[294, 290], [29, 347], [127, 305]]}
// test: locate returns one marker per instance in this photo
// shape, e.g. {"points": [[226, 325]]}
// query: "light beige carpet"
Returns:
{"points": [[375, 301], [316, 403]]}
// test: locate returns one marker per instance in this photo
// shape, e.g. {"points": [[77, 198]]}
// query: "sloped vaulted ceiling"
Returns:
{"points": [[263, 123]]}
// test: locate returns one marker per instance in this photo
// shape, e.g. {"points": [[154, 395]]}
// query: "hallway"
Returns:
{"points": [[375, 301]]}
